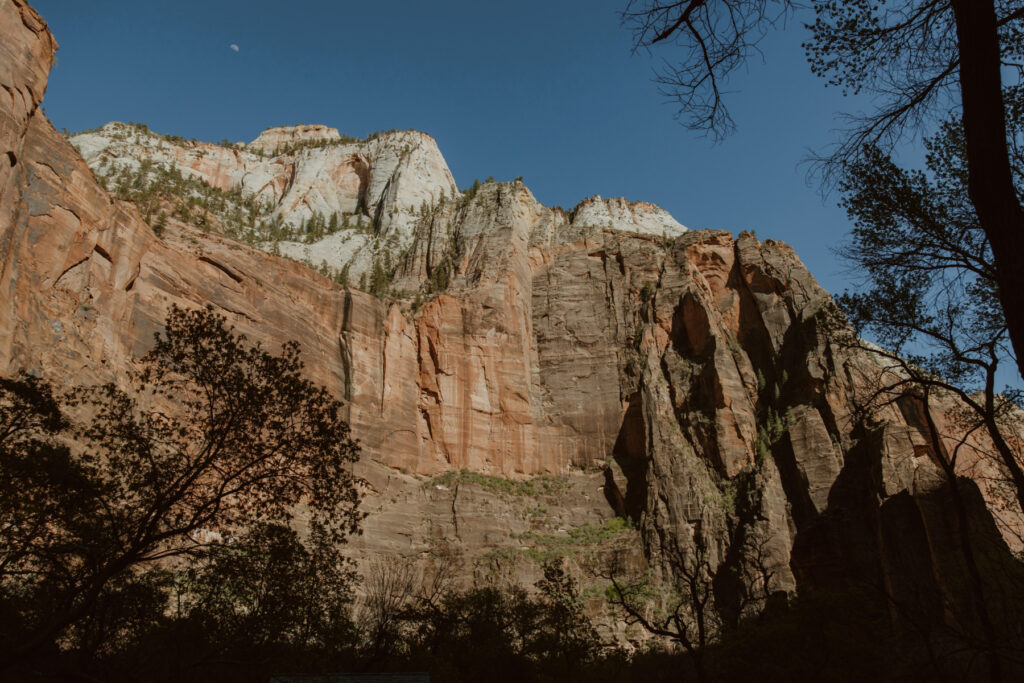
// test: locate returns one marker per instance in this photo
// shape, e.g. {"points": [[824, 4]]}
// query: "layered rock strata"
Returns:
{"points": [[686, 380]]}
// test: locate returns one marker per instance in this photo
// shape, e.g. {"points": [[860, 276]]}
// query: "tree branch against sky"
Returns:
{"points": [[716, 38], [919, 61]]}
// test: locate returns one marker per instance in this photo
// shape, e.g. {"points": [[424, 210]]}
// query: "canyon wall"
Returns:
{"points": [[687, 380]]}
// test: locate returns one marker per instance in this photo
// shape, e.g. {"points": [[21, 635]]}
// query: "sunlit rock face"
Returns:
{"points": [[620, 214], [374, 188], [272, 140], [686, 379]]}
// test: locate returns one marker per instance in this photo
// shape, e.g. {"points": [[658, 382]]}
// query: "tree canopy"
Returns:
{"points": [[113, 496]]}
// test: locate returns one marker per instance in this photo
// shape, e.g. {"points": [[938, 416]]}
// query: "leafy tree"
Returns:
{"points": [[932, 302], [687, 615], [567, 637], [104, 487], [931, 299], [266, 597], [265, 600], [381, 275], [919, 59], [501, 634]]}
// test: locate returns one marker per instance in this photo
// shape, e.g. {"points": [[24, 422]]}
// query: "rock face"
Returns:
{"points": [[295, 175], [273, 139], [297, 170], [685, 379], [619, 214]]}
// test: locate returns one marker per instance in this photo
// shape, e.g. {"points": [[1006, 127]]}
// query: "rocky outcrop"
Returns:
{"points": [[685, 379], [620, 214], [273, 139], [26, 53], [371, 190], [297, 170]]}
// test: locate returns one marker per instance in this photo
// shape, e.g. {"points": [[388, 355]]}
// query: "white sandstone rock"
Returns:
{"points": [[620, 214], [380, 186]]}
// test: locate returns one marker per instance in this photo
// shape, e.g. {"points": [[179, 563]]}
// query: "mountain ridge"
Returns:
{"points": [[316, 180]]}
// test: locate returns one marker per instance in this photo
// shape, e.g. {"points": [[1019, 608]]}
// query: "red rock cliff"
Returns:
{"points": [[559, 343]]}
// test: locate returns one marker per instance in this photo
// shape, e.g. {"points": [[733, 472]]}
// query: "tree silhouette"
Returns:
{"points": [[931, 296], [104, 487], [687, 615], [920, 60]]}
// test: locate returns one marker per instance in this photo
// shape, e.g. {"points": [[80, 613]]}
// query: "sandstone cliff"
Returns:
{"points": [[683, 379], [292, 179]]}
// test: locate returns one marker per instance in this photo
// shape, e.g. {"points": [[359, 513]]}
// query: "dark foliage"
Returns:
{"points": [[492, 633], [185, 486], [931, 296]]}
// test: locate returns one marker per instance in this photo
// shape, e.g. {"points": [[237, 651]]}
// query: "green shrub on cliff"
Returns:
{"points": [[543, 484]]}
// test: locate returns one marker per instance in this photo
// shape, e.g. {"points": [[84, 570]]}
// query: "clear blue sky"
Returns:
{"points": [[545, 89]]}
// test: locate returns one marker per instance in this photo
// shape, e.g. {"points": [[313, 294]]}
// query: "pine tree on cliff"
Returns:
{"points": [[161, 224]]}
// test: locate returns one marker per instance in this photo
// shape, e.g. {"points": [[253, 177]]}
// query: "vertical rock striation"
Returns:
{"points": [[694, 369]]}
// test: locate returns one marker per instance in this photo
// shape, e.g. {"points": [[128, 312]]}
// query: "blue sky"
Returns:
{"points": [[547, 90]]}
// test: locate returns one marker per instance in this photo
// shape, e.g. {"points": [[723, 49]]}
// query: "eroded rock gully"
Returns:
{"points": [[610, 346]]}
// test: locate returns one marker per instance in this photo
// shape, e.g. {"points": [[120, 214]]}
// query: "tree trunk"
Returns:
{"points": [[990, 180], [1008, 458], [977, 586]]}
